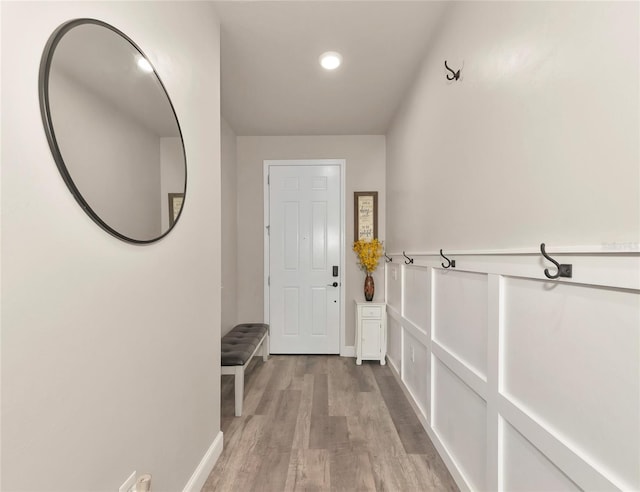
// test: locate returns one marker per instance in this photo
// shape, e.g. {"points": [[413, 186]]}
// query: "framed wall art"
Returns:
{"points": [[175, 204], [365, 206]]}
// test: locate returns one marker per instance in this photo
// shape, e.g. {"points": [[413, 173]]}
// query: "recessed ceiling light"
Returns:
{"points": [[330, 60], [144, 65]]}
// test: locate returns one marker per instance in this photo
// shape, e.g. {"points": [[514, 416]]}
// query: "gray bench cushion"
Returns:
{"points": [[238, 345]]}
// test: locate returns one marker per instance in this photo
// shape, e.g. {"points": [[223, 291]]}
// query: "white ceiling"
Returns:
{"points": [[272, 83]]}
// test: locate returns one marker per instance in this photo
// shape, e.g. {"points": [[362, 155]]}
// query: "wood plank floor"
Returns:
{"points": [[323, 423]]}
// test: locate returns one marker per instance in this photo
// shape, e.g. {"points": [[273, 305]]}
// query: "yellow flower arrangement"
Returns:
{"points": [[369, 253]]}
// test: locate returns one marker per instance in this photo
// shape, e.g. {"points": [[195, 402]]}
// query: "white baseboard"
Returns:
{"points": [[348, 351], [205, 466], [395, 369]]}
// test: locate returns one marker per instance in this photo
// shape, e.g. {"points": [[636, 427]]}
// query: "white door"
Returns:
{"points": [[304, 259]]}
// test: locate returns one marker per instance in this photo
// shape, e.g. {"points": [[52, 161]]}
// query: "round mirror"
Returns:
{"points": [[112, 130]]}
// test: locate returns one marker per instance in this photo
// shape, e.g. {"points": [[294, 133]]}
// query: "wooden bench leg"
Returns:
{"points": [[239, 389], [265, 348]]}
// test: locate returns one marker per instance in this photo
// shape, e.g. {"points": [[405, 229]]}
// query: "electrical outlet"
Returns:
{"points": [[129, 484]]}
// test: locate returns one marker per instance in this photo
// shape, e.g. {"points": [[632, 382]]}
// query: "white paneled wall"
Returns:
{"points": [[526, 468], [523, 383], [415, 366]]}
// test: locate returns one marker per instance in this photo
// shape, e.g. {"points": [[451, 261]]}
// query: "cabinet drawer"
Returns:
{"points": [[371, 312]]}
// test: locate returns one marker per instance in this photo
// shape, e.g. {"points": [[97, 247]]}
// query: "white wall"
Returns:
{"points": [[365, 171], [109, 350], [538, 142], [522, 383], [229, 176]]}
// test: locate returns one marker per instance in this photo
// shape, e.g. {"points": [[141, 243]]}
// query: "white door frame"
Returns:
{"points": [[342, 163]]}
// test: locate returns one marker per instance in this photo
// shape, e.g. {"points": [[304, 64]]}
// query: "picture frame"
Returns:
{"points": [[365, 208], [175, 205]]}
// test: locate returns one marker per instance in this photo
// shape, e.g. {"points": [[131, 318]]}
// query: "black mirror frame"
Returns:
{"points": [[45, 111]]}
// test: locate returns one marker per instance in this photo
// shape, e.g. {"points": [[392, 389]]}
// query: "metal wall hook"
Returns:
{"points": [[455, 75], [407, 258], [564, 270], [450, 263], [388, 259]]}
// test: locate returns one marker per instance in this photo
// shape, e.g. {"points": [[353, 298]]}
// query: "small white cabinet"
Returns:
{"points": [[371, 331]]}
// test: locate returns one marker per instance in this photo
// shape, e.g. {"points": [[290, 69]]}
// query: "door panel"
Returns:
{"points": [[319, 311], [291, 225], [291, 311], [304, 245], [319, 236]]}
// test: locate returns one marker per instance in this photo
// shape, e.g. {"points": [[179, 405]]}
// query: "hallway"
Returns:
{"points": [[524, 165], [323, 423]]}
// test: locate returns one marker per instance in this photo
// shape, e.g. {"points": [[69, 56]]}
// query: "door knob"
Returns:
{"points": [[335, 284]]}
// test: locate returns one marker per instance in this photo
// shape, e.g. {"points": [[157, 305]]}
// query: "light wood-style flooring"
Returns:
{"points": [[323, 423]]}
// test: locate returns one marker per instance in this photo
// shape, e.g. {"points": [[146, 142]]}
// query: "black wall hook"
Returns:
{"points": [[407, 258], [450, 263], [455, 75], [388, 259], [564, 270]]}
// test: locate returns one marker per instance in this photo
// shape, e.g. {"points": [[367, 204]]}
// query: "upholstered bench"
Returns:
{"points": [[237, 348]]}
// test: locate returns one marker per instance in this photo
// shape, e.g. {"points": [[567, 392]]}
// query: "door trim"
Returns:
{"points": [[342, 163]]}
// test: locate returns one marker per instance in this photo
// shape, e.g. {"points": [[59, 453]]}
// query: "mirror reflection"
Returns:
{"points": [[113, 130]]}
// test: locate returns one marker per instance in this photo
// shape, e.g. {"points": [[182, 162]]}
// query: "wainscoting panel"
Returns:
{"points": [[416, 371], [394, 286], [460, 419], [460, 314], [521, 382], [417, 299], [394, 343], [571, 359], [525, 468]]}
